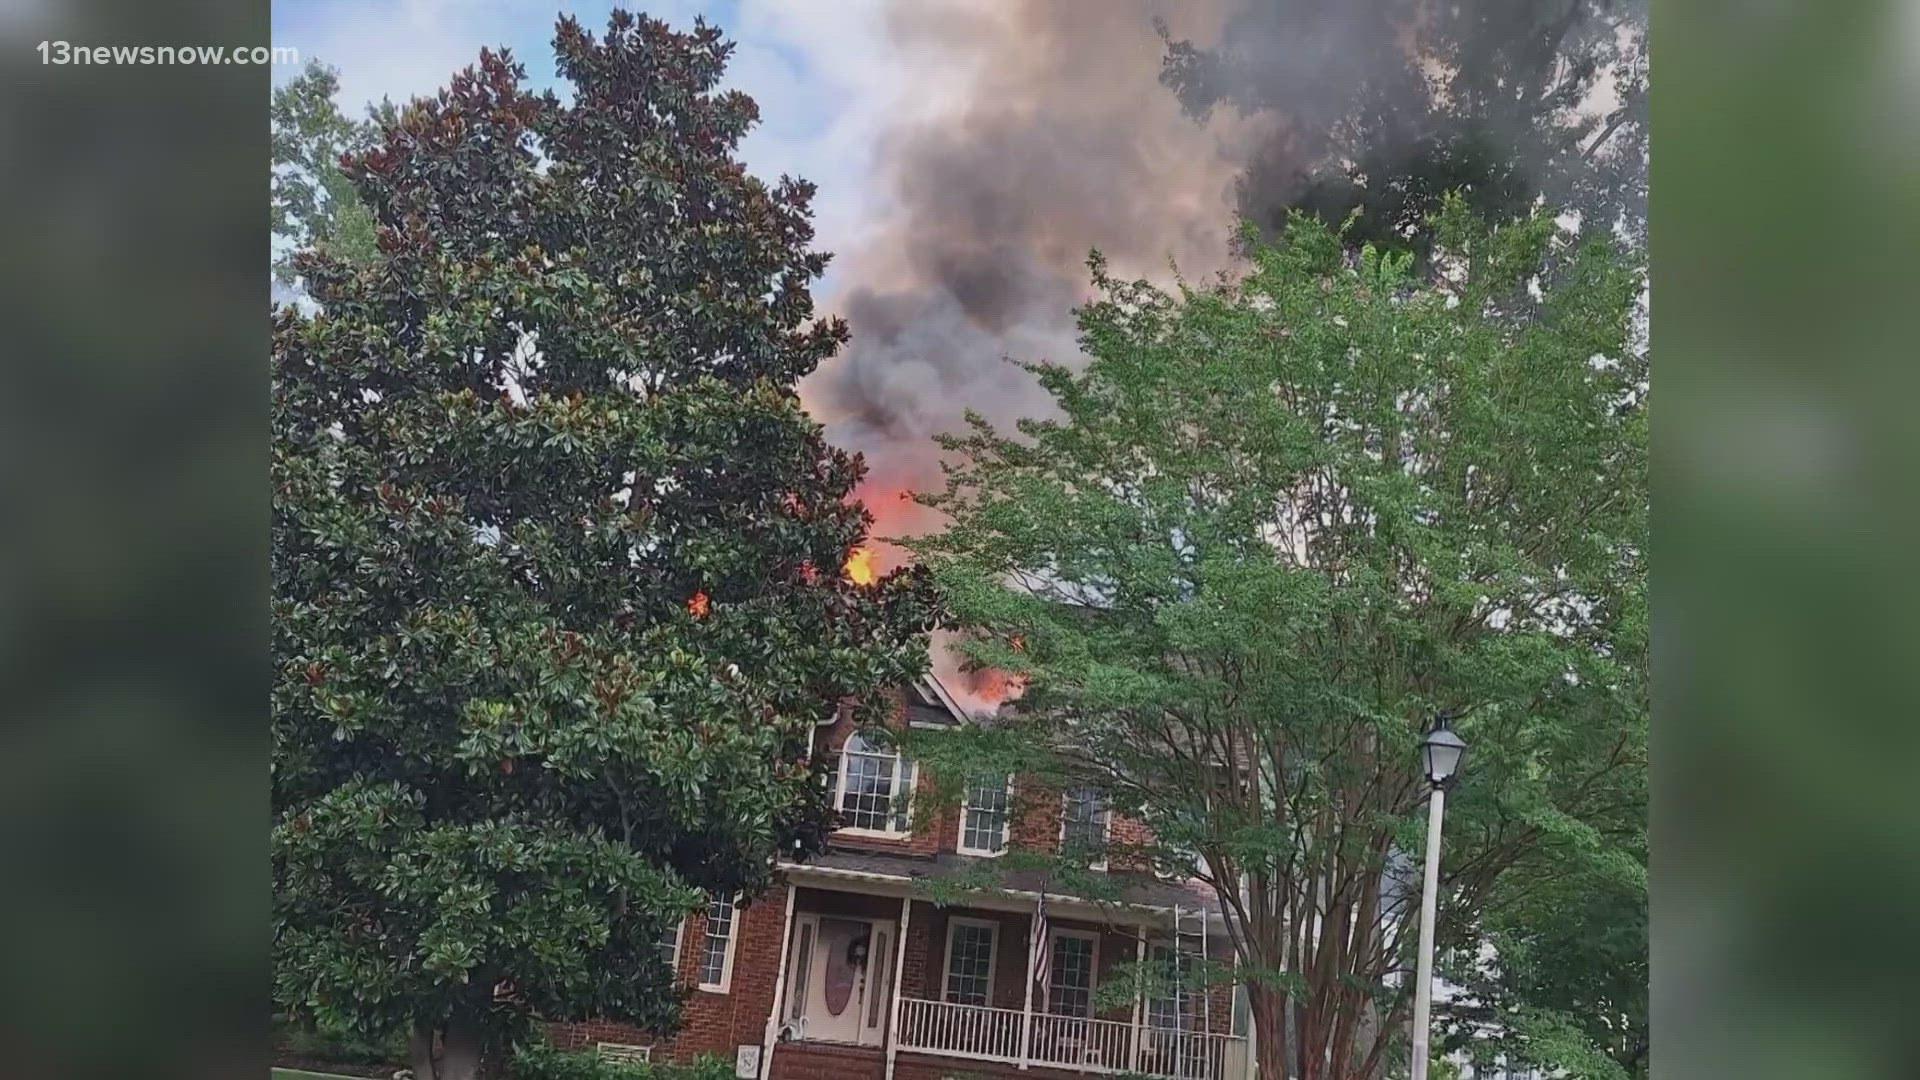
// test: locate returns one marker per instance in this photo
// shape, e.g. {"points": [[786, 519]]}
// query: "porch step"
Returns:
{"points": [[826, 1061], [912, 1065]]}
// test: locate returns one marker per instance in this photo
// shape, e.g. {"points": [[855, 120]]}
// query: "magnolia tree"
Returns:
{"points": [[556, 554], [1282, 522]]}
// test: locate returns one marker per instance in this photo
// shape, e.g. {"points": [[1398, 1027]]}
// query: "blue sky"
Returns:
{"points": [[821, 71]]}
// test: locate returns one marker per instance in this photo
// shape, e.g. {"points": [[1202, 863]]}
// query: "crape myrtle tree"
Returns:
{"points": [[556, 554], [1564, 983], [1282, 522]]}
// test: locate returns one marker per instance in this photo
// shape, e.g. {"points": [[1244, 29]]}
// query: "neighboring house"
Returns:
{"points": [[847, 970]]}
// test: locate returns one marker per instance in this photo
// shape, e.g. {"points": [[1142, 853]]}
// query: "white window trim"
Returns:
{"points": [[1106, 831], [679, 945], [993, 953], [1006, 837], [906, 777], [725, 985], [1093, 967]]}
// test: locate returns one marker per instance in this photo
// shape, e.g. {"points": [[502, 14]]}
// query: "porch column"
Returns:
{"points": [[899, 990], [1140, 998], [1026, 1008], [779, 987]]}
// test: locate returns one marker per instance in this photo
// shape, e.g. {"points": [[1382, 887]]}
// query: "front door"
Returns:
{"points": [[840, 979]]}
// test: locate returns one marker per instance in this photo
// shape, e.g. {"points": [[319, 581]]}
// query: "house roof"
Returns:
{"points": [[929, 703], [1135, 890]]}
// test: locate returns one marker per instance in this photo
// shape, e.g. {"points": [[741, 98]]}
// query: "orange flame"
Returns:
{"points": [[860, 566], [700, 605], [994, 686]]}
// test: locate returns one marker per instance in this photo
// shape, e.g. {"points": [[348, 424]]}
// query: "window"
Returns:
{"points": [[669, 944], [874, 784], [1070, 973], [716, 964], [1174, 1005], [970, 949], [983, 817], [1083, 826]]}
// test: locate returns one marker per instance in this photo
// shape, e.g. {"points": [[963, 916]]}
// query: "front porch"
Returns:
{"points": [[1078, 1044], [874, 974]]}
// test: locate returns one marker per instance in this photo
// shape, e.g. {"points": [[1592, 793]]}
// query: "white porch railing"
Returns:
{"points": [[973, 1031], [1069, 1042]]}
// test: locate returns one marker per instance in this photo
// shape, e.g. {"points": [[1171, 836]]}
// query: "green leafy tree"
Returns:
{"points": [[1281, 523], [1385, 106], [556, 554], [313, 204], [1565, 984]]}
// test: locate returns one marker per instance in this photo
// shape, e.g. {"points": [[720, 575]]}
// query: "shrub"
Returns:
{"points": [[542, 1062], [320, 1043]]}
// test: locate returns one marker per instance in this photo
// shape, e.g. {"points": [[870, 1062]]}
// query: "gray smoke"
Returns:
{"points": [[1060, 139]]}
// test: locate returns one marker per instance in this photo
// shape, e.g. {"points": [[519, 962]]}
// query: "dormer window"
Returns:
{"points": [[875, 782]]}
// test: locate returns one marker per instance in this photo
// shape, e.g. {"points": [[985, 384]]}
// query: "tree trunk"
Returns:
{"points": [[1269, 1008], [461, 1048], [452, 1052], [420, 1053]]}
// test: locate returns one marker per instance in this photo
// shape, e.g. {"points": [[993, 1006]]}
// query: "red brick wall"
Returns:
{"points": [[1036, 811], [1036, 815], [818, 1061], [939, 833], [1127, 836], [927, 962], [712, 1023]]}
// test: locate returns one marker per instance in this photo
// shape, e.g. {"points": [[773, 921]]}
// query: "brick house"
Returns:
{"points": [[847, 970]]}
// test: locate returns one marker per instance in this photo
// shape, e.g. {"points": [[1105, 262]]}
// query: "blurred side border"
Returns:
{"points": [[133, 811], [133, 536], [1786, 206]]}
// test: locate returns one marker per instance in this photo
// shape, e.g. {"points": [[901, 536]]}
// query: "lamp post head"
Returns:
{"points": [[1442, 751]]}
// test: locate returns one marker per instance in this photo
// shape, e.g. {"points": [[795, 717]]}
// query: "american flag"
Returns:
{"points": [[1042, 955]]}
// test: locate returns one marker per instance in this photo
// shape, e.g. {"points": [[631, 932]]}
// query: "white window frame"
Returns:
{"points": [[1006, 825], [1093, 968], [1106, 827], [679, 942], [905, 775], [993, 954], [725, 984]]}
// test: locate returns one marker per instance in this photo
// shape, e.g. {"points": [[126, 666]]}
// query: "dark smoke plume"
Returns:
{"points": [[1062, 140], [1141, 128], [1379, 107]]}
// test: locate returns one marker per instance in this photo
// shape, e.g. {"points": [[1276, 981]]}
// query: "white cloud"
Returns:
{"points": [[408, 48], [825, 77]]}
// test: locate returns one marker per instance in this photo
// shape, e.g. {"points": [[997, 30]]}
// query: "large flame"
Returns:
{"points": [[994, 686], [860, 566]]}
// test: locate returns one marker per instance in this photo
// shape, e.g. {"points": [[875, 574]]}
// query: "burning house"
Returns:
{"points": [[857, 964]]}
